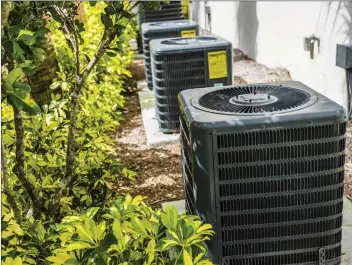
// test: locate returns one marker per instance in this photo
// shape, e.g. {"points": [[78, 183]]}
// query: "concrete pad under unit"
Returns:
{"points": [[346, 227], [153, 134]]}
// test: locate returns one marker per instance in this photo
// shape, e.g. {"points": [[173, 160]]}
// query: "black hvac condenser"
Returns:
{"points": [[264, 164], [183, 63]]}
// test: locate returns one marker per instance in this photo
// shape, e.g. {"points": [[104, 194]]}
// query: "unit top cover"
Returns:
{"points": [[198, 42], [258, 105], [168, 25]]}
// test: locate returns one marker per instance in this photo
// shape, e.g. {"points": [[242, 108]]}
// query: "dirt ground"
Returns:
{"points": [[159, 169]]}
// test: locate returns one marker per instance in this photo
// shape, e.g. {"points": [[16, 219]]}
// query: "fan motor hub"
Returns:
{"points": [[254, 99]]}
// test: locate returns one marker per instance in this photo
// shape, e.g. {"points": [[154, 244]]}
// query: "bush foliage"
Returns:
{"points": [[92, 225]]}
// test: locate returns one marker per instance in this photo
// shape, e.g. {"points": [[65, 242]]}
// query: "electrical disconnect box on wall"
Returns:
{"points": [[344, 56]]}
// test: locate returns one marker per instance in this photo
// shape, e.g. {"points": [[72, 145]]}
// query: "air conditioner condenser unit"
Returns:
{"points": [[160, 30], [264, 164], [184, 63]]}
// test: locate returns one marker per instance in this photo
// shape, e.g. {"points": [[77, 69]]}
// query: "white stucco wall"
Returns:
{"points": [[272, 33]]}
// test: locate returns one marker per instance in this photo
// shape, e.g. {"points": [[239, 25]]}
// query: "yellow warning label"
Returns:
{"points": [[188, 33], [217, 64]]}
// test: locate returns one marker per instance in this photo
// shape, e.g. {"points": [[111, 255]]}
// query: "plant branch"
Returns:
{"points": [[19, 166], [5, 182], [74, 41], [108, 37]]}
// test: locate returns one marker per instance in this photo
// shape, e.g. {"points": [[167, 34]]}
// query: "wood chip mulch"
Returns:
{"points": [[158, 169]]}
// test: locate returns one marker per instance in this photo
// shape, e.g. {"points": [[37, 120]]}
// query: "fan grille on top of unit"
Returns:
{"points": [[186, 41], [254, 99]]}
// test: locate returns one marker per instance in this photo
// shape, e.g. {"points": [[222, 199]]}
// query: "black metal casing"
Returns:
{"points": [[171, 11], [270, 184], [167, 12], [161, 30], [182, 63]]}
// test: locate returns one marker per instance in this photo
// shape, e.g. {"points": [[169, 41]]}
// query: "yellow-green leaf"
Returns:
{"points": [[56, 260], [187, 259], [101, 229], [13, 75], [167, 243], [204, 227], [138, 226], [151, 251], [127, 201], [117, 231], [199, 257], [84, 233], [17, 261], [78, 245]]}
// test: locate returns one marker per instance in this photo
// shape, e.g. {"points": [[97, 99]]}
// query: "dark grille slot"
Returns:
{"points": [[281, 185], [179, 57], [165, 109], [187, 174], [160, 35], [281, 136], [185, 130], [283, 216], [153, 19], [284, 245], [180, 83], [278, 231], [286, 259], [281, 201], [179, 65], [282, 169], [167, 94], [186, 155], [189, 193], [167, 117], [180, 74], [281, 152]]}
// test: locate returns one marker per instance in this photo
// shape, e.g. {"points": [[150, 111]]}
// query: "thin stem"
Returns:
{"points": [[74, 41], [5, 182], [19, 166]]}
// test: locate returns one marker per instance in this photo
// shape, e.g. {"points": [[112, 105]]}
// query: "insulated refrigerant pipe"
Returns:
{"points": [[349, 90]]}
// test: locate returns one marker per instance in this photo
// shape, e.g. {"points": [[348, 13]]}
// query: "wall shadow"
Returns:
{"points": [[195, 9], [247, 23], [348, 20]]}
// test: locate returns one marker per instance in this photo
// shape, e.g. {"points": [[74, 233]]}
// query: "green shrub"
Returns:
{"points": [[97, 165], [132, 233], [129, 232], [29, 238]]}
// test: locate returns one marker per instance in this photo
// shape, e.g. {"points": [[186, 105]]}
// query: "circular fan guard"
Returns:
{"points": [[191, 40], [256, 99]]}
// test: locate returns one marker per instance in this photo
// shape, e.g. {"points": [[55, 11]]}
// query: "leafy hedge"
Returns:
{"points": [[91, 226], [129, 232]]}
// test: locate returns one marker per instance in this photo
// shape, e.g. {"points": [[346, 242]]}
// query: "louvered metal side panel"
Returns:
{"points": [[171, 11], [187, 167], [174, 72], [146, 38], [280, 195]]}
